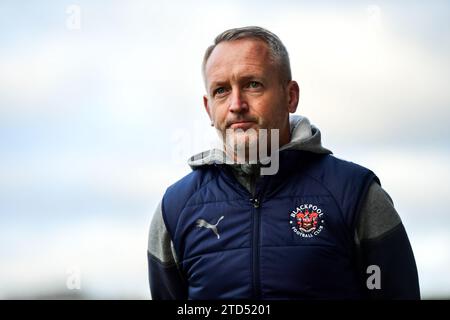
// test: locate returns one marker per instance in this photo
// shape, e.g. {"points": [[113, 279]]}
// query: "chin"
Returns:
{"points": [[246, 140]]}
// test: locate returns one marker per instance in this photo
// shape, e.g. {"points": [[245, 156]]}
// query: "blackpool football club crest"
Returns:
{"points": [[307, 220]]}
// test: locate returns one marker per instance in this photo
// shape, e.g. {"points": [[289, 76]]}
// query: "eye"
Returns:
{"points": [[254, 84], [219, 91]]}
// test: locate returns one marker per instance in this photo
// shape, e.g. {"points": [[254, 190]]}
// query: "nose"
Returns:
{"points": [[237, 102]]}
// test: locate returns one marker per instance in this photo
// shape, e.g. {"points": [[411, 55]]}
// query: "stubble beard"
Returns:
{"points": [[241, 146]]}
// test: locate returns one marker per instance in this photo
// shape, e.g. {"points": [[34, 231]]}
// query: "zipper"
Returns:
{"points": [[255, 200], [255, 247]]}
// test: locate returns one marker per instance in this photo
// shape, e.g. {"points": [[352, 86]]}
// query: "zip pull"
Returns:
{"points": [[255, 202]]}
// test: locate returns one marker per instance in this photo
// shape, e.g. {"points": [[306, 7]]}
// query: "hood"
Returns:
{"points": [[304, 136]]}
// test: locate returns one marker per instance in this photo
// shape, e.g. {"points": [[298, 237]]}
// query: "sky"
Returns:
{"points": [[101, 105]]}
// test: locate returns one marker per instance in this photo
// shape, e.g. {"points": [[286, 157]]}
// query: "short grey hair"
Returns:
{"points": [[276, 47]]}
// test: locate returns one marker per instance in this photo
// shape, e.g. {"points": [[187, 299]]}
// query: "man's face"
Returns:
{"points": [[245, 90]]}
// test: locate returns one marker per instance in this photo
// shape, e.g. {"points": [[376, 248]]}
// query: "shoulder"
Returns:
{"points": [[344, 167], [190, 183], [335, 173]]}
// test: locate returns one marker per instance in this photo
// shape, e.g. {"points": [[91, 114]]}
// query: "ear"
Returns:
{"points": [[293, 92], [206, 105]]}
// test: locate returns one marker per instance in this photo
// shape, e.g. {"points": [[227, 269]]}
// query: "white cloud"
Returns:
{"points": [[110, 255], [359, 84], [119, 177], [433, 262]]}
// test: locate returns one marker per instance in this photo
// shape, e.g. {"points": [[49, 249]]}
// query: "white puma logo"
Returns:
{"points": [[207, 225]]}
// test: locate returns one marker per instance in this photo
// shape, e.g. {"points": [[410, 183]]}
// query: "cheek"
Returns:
{"points": [[267, 110], [218, 113]]}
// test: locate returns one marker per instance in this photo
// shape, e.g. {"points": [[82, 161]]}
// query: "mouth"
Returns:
{"points": [[241, 125]]}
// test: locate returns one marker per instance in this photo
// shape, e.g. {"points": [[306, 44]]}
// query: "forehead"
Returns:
{"points": [[233, 58]]}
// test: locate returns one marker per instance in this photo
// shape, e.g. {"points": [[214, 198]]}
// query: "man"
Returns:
{"points": [[317, 228]]}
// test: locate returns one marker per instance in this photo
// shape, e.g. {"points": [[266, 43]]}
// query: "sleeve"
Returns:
{"points": [[165, 277], [384, 247]]}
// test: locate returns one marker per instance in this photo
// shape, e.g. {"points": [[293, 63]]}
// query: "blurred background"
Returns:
{"points": [[101, 105]]}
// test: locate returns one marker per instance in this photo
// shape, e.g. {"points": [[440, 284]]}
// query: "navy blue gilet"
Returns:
{"points": [[293, 239]]}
